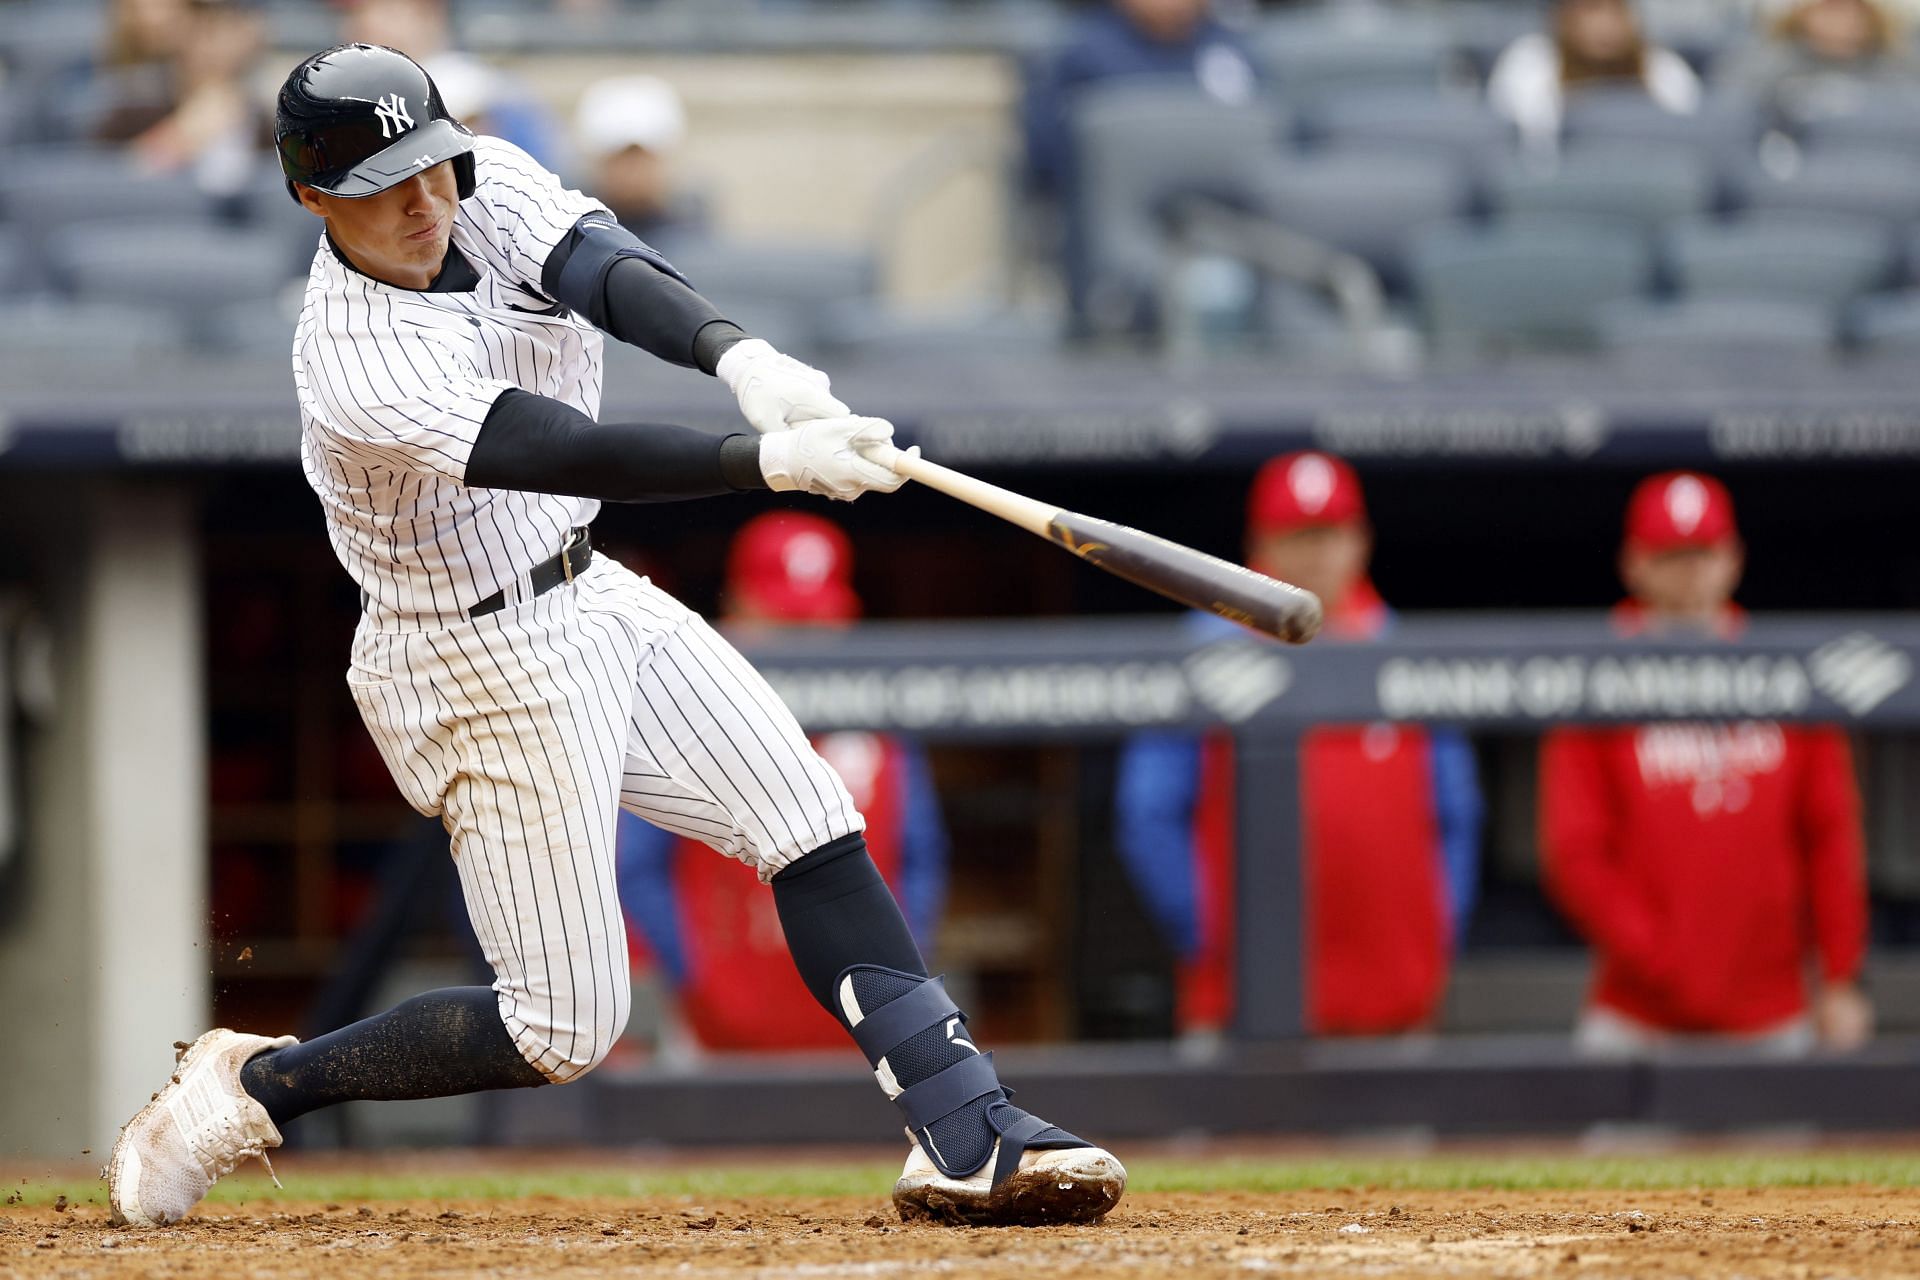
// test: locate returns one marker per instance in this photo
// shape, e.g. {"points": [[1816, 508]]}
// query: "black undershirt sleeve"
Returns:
{"points": [[540, 445], [627, 289]]}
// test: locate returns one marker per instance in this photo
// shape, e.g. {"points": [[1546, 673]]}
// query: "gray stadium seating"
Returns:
{"points": [[1724, 133], [193, 269], [1825, 259], [1871, 116], [1455, 124], [1141, 147], [1533, 284], [1644, 186], [10, 265], [1367, 200], [1888, 324], [1872, 183], [106, 330], [46, 189], [1682, 330], [1311, 53]]}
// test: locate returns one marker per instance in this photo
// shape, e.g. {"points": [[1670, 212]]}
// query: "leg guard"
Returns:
{"points": [[915, 1039]]}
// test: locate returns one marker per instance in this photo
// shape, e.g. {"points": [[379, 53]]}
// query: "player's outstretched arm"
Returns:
{"points": [[625, 287], [541, 445]]}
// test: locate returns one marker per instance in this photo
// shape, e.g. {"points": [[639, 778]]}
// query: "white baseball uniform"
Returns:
{"points": [[524, 728]]}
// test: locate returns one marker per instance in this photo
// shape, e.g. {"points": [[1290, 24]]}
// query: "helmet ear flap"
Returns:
{"points": [[463, 173]]}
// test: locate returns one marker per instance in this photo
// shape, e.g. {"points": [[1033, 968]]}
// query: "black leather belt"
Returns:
{"points": [[544, 577]]}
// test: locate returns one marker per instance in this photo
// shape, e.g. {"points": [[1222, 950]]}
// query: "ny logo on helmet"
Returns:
{"points": [[392, 110]]}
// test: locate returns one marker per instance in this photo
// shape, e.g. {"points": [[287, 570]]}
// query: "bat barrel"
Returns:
{"points": [[1191, 577]]}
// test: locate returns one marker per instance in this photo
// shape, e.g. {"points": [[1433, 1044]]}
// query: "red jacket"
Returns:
{"points": [[1704, 862], [1391, 815]]}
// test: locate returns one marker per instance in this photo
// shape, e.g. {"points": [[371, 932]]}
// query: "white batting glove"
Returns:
{"points": [[776, 392], [823, 457]]}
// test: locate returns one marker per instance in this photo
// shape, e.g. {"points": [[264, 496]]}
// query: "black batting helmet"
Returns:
{"points": [[356, 119]]}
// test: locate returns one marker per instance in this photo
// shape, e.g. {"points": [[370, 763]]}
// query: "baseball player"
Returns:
{"points": [[1391, 814], [448, 368], [1712, 866]]}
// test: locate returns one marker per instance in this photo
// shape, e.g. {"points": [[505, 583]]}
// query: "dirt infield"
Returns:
{"points": [[1797, 1233]]}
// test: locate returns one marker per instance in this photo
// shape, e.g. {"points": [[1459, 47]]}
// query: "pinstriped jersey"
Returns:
{"points": [[394, 384]]}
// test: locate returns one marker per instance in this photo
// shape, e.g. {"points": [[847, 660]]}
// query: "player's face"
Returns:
{"points": [[1690, 584], [1325, 559], [399, 236]]}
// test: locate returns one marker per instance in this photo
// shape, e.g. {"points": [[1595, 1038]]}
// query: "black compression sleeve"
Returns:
{"points": [[653, 311], [539, 445]]}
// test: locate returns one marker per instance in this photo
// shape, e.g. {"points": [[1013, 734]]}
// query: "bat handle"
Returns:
{"points": [[1032, 515]]}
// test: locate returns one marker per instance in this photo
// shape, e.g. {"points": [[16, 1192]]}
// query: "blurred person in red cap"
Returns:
{"points": [[1391, 813], [1708, 864], [707, 921]]}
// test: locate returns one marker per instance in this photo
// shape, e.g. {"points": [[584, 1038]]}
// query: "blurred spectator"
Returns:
{"points": [[628, 130], [1707, 864], [1390, 813], [1168, 39], [1594, 44], [473, 89], [713, 929], [1816, 55], [178, 88]]}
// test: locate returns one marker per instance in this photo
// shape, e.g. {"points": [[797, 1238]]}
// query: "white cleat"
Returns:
{"points": [[1076, 1184], [194, 1132]]}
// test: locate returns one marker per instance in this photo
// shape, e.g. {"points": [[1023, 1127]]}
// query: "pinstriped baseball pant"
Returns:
{"points": [[524, 729]]}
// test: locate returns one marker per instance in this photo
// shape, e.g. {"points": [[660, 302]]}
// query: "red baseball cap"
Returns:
{"points": [[1680, 509], [794, 567], [1298, 490]]}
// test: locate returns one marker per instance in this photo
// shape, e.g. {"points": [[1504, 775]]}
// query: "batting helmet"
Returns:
{"points": [[356, 119]]}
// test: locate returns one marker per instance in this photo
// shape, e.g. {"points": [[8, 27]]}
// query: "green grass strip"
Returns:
{"points": [[873, 1179]]}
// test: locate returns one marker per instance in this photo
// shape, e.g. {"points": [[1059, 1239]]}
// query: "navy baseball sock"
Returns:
{"points": [[837, 912], [854, 952], [435, 1045]]}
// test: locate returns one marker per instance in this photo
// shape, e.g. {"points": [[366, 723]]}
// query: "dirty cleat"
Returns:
{"points": [[977, 1159], [195, 1131], [1050, 1186]]}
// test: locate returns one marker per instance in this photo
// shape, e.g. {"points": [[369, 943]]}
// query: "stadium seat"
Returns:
{"points": [[1315, 52], [1871, 116], [45, 189], [1644, 186], [1872, 183], [1825, 259], [1141, 147], [1532, 284], [1679, 331], [42, 324], [1457, 124], [1367, 200], [1724, 133], [1887, 324], [10, 266], [256, 326], [191, 268]]}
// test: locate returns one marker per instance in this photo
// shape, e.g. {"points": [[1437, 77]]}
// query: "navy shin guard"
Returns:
{"points": [[915, 1038]]}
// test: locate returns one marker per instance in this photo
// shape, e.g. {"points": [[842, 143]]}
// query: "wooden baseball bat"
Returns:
{"points": [[1179, 573]]}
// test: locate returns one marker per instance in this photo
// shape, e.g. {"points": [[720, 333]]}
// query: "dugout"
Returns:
{"points": [[198, 627]]}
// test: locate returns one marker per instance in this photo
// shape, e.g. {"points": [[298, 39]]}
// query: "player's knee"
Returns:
{"points": [[566, 1051], [826, 849]]}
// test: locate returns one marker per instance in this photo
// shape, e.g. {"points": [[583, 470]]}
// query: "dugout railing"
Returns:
{"points": [[1071, 682], [1054, 680]]}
